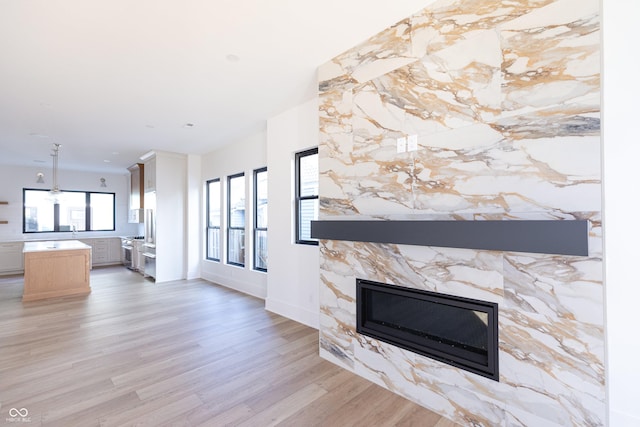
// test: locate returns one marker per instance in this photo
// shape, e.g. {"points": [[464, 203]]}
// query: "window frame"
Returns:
{"points": [[229, 227], [208, 227], [299, 199], [56, 211], [256, 228]]}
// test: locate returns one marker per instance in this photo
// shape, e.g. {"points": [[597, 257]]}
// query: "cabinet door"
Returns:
{"points": [[11, 258], [100, 251], [150, 175], [115, 250]]}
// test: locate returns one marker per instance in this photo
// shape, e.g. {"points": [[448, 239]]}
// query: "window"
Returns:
{"points": [[235, 219], [306, 195], [72, 211], [213, 219], [260, 219]]}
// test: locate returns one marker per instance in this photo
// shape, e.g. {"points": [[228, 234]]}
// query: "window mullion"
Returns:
{"points": [[87, 212], [56, 217]]}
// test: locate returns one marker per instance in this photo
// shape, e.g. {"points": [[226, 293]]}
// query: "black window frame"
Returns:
{"points": [[208, 226], [56, 211], [229, 228], [256, 228], [299, 198]]}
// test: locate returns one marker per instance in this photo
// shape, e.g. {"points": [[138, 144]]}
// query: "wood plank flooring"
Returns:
{"points": [[186, 353]]}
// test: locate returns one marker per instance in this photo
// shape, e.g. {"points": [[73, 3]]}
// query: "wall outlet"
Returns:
{"points": [[412, 143], [402, 145]]}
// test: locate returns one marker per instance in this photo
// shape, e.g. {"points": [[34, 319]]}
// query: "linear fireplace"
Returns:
{"points": [[459, 331]]}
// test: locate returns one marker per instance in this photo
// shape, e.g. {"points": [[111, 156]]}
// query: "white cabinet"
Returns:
{"points": [[100, 251], [115, 250], [136, 193], [11, 258], [150, 175], [105, 250]]}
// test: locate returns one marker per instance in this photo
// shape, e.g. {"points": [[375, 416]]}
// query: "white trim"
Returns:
{"points": [[292, 312], [250, 288]]}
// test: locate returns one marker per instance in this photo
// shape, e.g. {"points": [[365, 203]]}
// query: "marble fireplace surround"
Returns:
{"points": [[504, 101]]}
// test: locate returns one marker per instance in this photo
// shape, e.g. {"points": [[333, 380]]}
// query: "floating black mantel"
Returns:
{"points": [[564, 237]]}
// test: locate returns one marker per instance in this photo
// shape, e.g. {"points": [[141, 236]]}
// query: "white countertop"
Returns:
{"points": [[54, 245]]}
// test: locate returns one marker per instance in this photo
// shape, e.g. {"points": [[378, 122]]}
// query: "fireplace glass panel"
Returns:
{"points": [[432, 320], [458, 331]]}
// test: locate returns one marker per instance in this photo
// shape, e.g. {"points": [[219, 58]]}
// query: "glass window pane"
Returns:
{"points": [[38, 211], [309, 175], [213, 244], [261, 250], [308, 213], [73, 211], [261, 199], [236, 202], [41, 211], [214, 203], [101, 207], [236, 246]]}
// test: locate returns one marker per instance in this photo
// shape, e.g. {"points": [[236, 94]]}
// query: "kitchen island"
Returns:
{"points": [[56, 268]]}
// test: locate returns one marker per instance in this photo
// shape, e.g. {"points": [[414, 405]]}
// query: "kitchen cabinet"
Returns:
{"points": [[150, 175], [11, 259], [136, 193], [104, 251]]}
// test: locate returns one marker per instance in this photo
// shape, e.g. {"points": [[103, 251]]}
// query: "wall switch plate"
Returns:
{"points": [[412, 143], [402, 145]]}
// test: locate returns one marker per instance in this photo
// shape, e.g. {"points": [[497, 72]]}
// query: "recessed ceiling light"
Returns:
{"points": [[233, 58], [107, 161]]}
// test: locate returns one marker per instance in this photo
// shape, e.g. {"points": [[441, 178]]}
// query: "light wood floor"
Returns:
{"points": [[185, 353]]}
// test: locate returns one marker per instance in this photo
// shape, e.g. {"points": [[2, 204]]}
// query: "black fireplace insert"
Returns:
{"points": [[461, 332]]}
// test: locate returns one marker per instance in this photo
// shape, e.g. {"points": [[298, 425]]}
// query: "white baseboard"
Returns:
{"points": [[250, 288], [619, 419], [289, 311]]}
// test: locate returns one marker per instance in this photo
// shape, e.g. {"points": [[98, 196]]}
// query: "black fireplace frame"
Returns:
{"points": [[457, 356]]}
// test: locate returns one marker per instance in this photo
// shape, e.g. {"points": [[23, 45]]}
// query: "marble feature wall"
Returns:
{"points": [[504, 100]]}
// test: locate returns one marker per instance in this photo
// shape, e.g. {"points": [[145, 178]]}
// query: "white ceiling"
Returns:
{"points": [[113, 79]]}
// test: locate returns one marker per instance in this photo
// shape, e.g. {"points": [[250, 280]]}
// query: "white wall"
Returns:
{"points": [[194, 216], [245, 156], [171, 205], [621, 230], [294, 271], [15, 178]]}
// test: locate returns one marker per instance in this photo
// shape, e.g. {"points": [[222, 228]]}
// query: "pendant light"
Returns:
{"points": [[55, 194]]}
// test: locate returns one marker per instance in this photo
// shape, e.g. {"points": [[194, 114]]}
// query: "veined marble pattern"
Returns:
{"points": [[504, 98]]}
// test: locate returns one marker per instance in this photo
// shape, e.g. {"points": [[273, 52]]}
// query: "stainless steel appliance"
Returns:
{"points": [[149, 246], [127, 249], [149, 260], [130, 248], [137, 258]]}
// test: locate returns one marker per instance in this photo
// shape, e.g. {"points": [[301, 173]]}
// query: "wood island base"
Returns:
{"points": [[56, 269]]}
